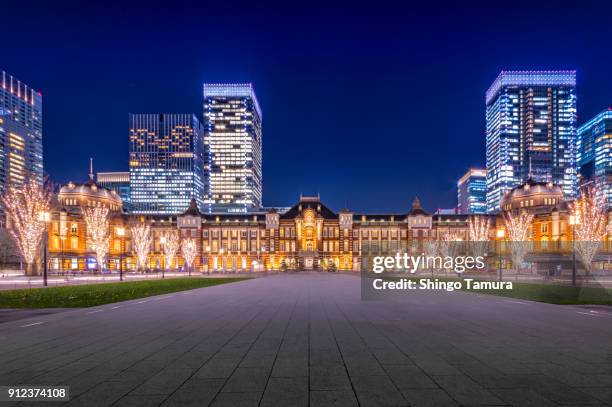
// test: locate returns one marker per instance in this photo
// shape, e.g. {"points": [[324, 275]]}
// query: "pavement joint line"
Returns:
{"points": [[141, 302], [32, 324], [589, 314], [93, 312], [516, 302], [115, 307]]}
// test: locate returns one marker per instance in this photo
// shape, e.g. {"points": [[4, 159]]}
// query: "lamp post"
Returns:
{"points": [[207, 255], [573, 221], [162, 241], [500, 235], [121, 233], [222, 264], [263, 260], [45, 217]]}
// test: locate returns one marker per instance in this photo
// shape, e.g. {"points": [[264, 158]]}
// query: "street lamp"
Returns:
{"points": [[500, 235], [45, 217], [121, 233], [573, 221], [207, 255], [263, 260], [162, 241], [222, 264]]}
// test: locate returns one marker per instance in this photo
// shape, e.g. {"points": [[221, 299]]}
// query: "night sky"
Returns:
{"points": [[366, 104]]}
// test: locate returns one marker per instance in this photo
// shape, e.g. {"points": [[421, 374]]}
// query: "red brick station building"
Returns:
{"points": [[307, 236]]}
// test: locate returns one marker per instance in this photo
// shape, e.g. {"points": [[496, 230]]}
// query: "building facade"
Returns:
{"points": [[531, 132], [21, 148], [595, 154], [116, 181], [472, 192], [308, 236], [233, 135], [167, 156]]}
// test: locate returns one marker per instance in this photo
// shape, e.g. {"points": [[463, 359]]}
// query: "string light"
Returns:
{"points": [[518, 233], [23, 206], [478, 229], [141, 240], [170, 247], [97, 224], [188, 249], [590, 224]]}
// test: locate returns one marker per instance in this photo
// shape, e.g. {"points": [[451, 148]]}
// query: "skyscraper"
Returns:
{"points": [[166, 163], [595, 153], [531, 131], [472, 192], [116, 181], [21, 149], [233, 135]]}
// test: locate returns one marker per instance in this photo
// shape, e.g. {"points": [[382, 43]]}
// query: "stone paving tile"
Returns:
{"points": [[333, 398], [428, 398], [523, 397], [247, 379], [164, 382], [247, 399], [286, 391], [306, 338], [331, 377], [409, 377], [140, 400], [377, 390], [466, 391], [195, 392]]}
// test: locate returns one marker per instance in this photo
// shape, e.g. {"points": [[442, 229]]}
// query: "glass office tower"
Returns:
{"points": [[472, 192], [21, 148], [166, 163], [116, 181], [531, 131], [595, 153], [232, 126]]}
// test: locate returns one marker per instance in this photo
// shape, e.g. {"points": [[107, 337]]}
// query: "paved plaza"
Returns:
{"points": [[306, 339]]}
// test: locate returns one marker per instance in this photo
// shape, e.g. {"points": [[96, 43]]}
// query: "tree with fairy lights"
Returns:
{"points": [[590, 225], [170, 247], [24, 207], [189, 250], [141, 242], [517, 226], [98, 237], [449, 243], [478, 228], [430, 249]]}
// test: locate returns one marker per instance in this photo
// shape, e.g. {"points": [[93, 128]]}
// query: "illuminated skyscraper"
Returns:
{"points": [[232, 126], [472, 192], [531, 131], [21, 149], [116, 181], [166, 163], [595, 153]]}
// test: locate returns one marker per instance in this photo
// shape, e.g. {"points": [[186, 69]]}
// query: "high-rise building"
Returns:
{"points": [[166, 163], [472, 192], [116, 181], [232, 126], [595, 153], [531, 131], [21, 149]]}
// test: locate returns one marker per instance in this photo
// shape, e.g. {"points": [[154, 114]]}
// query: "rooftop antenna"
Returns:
{"points": [[91, 169]]}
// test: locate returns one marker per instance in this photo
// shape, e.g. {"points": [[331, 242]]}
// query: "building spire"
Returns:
{"points": [[91, 176]]}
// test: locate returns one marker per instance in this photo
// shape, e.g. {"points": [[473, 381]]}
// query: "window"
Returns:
{"points": [[544, 228]]}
